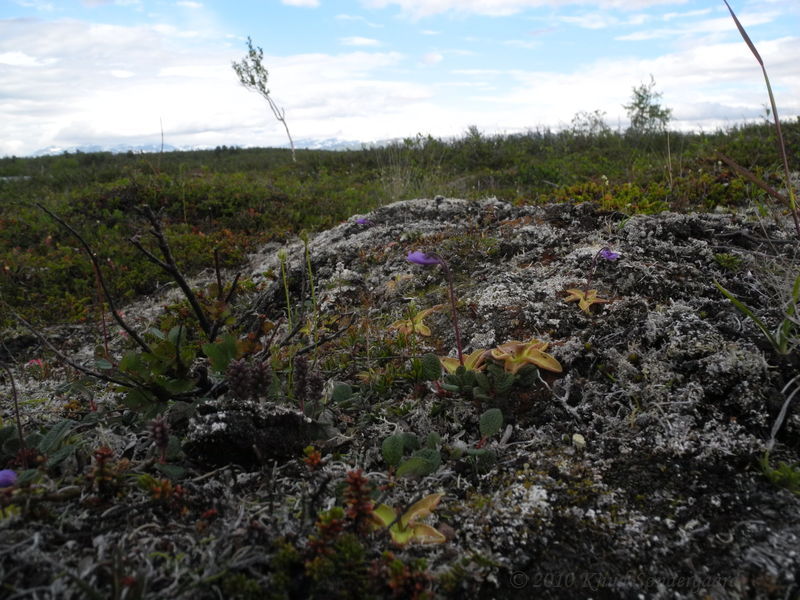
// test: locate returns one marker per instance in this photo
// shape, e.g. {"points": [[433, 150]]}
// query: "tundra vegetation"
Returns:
{"points": [[251, 373]]}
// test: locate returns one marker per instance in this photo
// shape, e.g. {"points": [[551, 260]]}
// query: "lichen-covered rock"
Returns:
{"points": [[249, 433], [633, 473], [672, 389]]}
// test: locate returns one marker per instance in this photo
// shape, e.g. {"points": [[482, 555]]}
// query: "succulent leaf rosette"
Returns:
{"points": [[514, 355]]}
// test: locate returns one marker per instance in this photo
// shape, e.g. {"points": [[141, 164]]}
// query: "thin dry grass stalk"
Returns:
{"points": [[781, 146]]}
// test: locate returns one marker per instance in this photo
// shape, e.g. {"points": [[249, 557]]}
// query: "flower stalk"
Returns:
{"points": [[429, 260]]}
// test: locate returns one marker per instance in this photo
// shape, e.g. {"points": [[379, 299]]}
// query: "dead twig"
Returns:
{"points": [[93, 257], [170, 267]]}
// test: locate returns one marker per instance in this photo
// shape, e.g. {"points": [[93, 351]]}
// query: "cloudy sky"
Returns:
{"points": [[110, 72]]}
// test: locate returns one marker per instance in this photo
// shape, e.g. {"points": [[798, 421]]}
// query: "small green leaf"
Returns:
{"points": [[177, 335], [416, 467], [410, 441], [430, 454], [138, 399], [57, 457], [504, 382], [28, 476], [483, 381], [8, 432], [52, 439], [392, 449], [431, 367], [133, 364], [221, 353], [433, 440], [174, 472], [177, 386], [491, 421], [103, 364], [341, 392], [157, 333]]}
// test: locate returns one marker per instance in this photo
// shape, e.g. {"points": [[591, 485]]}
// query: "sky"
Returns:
{"points": [[124, 72]]}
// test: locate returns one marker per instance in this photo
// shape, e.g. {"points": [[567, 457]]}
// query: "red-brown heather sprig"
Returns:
{"points": [[104, 475], [247, 380], [359, 501], [300, 375], [329, 525], [316, 385], [313, 458], [159, 429], [403, 581]]}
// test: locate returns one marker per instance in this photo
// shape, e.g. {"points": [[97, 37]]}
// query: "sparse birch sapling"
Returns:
{"points": [[431, 260]]}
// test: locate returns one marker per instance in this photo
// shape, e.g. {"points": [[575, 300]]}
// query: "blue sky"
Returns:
{"points": [[114, 72]]}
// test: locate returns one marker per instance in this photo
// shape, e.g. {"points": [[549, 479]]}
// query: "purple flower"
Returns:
{"points": [[607, 254], [7, 478], [421, 258], [363, 221]]}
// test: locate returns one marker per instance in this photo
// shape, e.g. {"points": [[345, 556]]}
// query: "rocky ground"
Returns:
{"points": [[632, 473]]}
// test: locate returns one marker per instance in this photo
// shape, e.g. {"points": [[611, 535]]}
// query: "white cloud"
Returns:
{"points": [[358, 41], [707, 86], [71, 83], [687, 14], [358, 18], [526, 44], [599, 20], [189, 4], [432, 58], [36, 5], [426, 8], [720, 26], [16, 58], [306, 3]]}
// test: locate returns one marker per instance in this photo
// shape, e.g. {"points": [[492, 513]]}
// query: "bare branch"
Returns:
{"points": [[170, 266], [93, 257]]}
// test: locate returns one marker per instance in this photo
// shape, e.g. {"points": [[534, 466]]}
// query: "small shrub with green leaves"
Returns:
{"points": [[423, 460]]}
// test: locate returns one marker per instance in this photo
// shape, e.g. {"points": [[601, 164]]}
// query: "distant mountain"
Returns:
{"points": [[116, 149], [327, 144], [305, 143]]}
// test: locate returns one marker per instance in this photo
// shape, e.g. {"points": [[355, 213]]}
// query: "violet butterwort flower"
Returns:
{"points": [[7, 478], [607, 254], [429, 260], [363, 221], [421, 258], [604, 253]]}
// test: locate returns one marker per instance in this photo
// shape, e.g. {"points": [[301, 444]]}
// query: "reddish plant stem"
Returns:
{"points": [[453, 311]]}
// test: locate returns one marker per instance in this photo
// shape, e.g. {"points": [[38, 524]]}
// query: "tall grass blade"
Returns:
{"points": [[752, 316], [781, 146]]}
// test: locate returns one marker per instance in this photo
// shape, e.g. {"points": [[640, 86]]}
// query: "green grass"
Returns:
{"points": [[236, 199]]}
